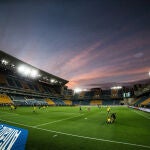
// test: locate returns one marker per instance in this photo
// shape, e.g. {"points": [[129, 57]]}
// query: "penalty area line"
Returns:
{"points": [[79, 136]]}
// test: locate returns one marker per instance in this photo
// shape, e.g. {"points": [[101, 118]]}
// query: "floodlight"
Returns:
{"points": [[24, 70], [21, 68], [27, 71], [12, 65], [116, 87], [77, 90], [34, 73], [149, 73], [52, 80], [5, 62]]}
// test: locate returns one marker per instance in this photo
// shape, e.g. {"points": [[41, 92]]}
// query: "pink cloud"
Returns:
{"points": [[104, 73]]}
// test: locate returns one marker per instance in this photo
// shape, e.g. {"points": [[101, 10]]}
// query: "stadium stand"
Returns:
{"points": [[142, 99], [81, 102], [40, 101], [18, 84], [85, 102], [18, 99], [39, 87], [134, 101], [5, 99], [146, 102], [3, 81], [75, 102], [25, 85], [96, 102], [50, 102], [110, 102], [27, 100], [11, 82], [58, 101], [28, 85], [68, 102]]}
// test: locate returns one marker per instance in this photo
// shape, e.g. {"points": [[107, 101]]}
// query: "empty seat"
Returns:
{"points": [[5, 99], [68, 102]]}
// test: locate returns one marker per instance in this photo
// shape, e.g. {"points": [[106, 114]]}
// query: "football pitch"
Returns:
{"points": [[67, 128]]}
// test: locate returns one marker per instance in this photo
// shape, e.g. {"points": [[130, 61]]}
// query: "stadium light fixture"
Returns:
{"points": [[52, 80], [27, 71], [77, 90], [21, 69], [34, 73], [5, 62], [12, 65], [116, 87], [24, 70], [84, 89]]}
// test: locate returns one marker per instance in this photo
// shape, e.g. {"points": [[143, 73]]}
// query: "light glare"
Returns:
{"points": [[52, 80], [33, 73], [116, 87], [27, 71], [5, 62], [77, 90]]}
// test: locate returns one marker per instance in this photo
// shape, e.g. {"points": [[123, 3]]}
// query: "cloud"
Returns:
{"points": [[109, 74], [82, 59], [138, 55]]}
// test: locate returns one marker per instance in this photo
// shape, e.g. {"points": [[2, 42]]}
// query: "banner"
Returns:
{"points": [[140, 108], [12, 138]]}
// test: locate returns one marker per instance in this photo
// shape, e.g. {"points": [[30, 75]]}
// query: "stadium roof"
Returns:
{"points": [[12, 63]]}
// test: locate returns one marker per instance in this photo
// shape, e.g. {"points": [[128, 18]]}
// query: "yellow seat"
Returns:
{"points": [[68, 102], [146, 102], [5, 99], [49, 101], [96, 102]]}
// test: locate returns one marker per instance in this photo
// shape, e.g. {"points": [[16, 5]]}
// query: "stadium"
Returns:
{"points": [[53, 116]]}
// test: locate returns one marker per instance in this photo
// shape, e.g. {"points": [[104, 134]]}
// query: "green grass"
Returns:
{"points": [[66, 128]]}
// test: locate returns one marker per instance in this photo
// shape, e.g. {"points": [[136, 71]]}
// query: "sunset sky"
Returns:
{"points": [[88, 42]]}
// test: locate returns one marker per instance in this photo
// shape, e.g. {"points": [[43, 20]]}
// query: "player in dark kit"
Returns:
{"points": [[113, 117], [80, 108]]}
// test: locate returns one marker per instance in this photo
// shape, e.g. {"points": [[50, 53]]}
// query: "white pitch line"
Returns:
{"points": [[57, 121], [80, 136], [16, 123], [141, 114]]}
